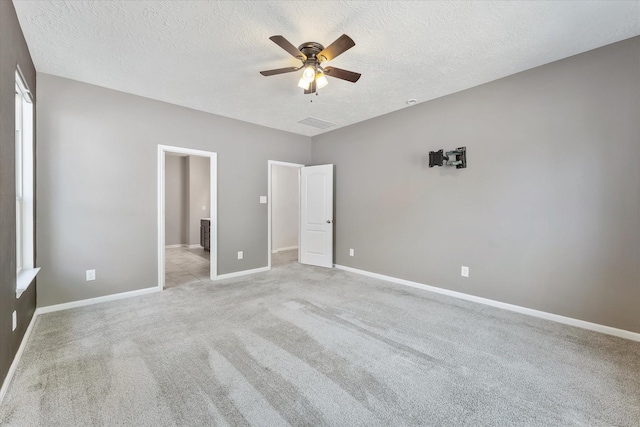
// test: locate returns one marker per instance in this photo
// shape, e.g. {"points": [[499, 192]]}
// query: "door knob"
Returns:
{"points": [[328, 221]]}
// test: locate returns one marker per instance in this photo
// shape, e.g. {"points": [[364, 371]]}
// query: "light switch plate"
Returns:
{"points": [[91, 275], [263, 199], [464, 271]]}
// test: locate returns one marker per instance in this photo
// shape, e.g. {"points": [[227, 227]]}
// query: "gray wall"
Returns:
{"points": [[285, 193], [199, 196], [176, 209], [97, 185], [547, 215], [13, 52]]}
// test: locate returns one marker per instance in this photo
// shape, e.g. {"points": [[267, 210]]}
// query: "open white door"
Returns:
{"points": [[316, 215]]}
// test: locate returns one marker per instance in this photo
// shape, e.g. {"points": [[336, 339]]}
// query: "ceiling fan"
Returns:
{"points": [[313, 54]]}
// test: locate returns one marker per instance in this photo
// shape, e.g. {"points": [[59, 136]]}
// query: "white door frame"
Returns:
{"points": [[213, 187], [269, 194]]}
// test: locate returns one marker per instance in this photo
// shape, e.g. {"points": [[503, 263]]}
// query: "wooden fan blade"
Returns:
{"points": [[341, 45], [312, 88], [279, 71], [286, 45], [339, 73]]}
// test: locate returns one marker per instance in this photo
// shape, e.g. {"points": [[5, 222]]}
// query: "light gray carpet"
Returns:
{"points": [[312, 346]]}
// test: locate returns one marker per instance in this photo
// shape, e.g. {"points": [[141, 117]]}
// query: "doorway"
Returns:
{"points": [[283, 198], [187, 213]]}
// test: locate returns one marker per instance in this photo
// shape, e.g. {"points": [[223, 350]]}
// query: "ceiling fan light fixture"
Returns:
{"points": [[303, 84], [321, 79], [309, 74], [312, 54]]}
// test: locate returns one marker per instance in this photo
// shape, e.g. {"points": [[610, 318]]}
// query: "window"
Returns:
{"points": [[25, 271]]}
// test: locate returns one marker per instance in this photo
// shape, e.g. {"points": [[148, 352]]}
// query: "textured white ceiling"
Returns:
{"points": [[207, 55]]}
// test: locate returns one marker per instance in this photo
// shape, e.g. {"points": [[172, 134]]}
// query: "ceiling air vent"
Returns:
{"points": [[316, 123]]}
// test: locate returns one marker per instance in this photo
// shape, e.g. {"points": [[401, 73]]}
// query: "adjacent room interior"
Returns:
{"points": [[284, 212], [187, 219], [320, 213]]}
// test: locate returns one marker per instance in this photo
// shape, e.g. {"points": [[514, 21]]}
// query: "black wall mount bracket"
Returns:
{"points": [[457, 158]]}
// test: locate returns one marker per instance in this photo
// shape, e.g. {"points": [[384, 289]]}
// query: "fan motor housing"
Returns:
{"points": [[311, 50]]}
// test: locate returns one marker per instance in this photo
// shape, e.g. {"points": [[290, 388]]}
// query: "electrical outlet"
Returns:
{"points": [[91, 275], [14, 319], [240, 255], [351, 252], [464, 271]]}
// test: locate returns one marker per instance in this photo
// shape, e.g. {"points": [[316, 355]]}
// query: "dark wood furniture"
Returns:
{"points": [[205, 234]]}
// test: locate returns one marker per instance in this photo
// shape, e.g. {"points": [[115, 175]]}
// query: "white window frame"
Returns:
{"points": [[24, 112]]}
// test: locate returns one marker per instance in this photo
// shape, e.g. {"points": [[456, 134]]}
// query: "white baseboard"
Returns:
{"points": [[16, 359], [183, 245], [241, 273], [97, 300], [516, 308], [290, 248]]}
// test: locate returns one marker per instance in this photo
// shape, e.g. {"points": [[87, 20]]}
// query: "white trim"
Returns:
{"points": [[213, 178], [23, 82], [96, 300], [16, 359], [242, 273], [183, 245], [269, 191], [24, 279], [633, 336], [290, 248]]}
